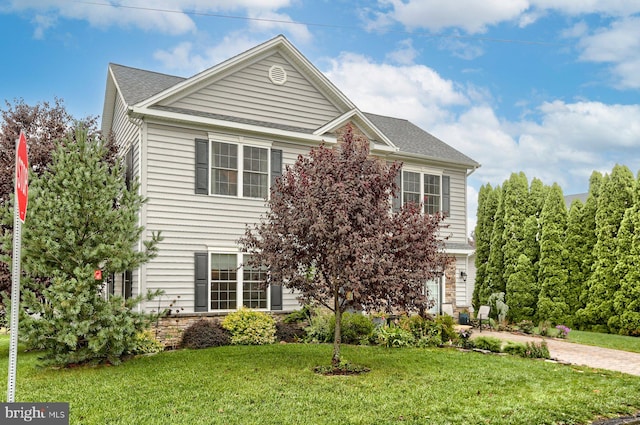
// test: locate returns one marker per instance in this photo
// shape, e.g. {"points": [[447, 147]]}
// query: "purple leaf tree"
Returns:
{"points": [[330, 234]]}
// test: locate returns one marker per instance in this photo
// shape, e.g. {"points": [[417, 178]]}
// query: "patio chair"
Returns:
{"points": [[483, 314], [447, 309]]}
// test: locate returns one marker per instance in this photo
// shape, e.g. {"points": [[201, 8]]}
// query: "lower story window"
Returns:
{"points": [[233, 285]]}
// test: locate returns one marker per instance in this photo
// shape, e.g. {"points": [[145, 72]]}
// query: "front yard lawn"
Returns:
{"points": [[616, 342], [275, 384]]}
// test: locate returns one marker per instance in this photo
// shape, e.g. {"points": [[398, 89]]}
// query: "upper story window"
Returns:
{"points": [[243, 169], [431, 189]]}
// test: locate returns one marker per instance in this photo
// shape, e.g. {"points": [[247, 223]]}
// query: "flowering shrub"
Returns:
{"points": [[564, 331], [248, 327]]}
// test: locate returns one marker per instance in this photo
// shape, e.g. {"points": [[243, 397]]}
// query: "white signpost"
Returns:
{"points": [[20, 213]]}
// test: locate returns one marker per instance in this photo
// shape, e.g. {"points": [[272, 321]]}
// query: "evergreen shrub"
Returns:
{"points": [[249, 327], [204, 334], [488, 343]]}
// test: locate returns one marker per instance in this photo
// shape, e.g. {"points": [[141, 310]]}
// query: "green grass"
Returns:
{"points": [[617, 342], [275, 384]]}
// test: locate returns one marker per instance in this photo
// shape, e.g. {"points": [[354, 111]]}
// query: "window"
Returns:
{"points": [[224, 169], [244, 168], [223, 282], [252, 295], [227, 178], [256, 172], [411, 187], [430, 189], [232, 286], [431, 193]]}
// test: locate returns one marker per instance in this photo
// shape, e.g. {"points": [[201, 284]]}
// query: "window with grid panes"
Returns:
{"points": [[255, 175], [224, 278], [224, 169], [431, 193], [252, 295], [410, 187]]}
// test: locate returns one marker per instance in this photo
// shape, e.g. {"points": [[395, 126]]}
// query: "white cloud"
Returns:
{"points": [[405, 54], [415, 92], [188, 59], [268, 21], [583, 7], [471, 15], [165, 16], [619, 45]]}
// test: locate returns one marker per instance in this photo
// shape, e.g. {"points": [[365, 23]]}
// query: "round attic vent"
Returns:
{"points": [[277, 75]]}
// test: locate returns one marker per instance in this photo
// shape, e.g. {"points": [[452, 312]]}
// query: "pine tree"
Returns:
{"points": [[495, 266], [537, 195], [521, 291], [516, 209], [552, 277], [588, 227], [626, 300], [487, 205], [82, 218], [616, 195], [576, 248]]}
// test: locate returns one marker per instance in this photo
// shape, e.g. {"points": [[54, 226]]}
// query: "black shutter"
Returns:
{"points": [[276, 297], [200, 290], [276, 164], [446, 195], [397, 200], [202, 167]]}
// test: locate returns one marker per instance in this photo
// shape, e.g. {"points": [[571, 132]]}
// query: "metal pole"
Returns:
{"points": [[15, 303]]}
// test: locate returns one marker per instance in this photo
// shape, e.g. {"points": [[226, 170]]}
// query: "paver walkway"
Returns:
{"points": [[578, 354]]}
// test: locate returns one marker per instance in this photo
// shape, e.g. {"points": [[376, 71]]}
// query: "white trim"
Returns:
{"points": [[239, 280], [371, 131], [240, 142], [242, 127]]}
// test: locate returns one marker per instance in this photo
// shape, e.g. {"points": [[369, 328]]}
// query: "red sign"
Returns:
{"points": [[22, 177], [97, 274]]}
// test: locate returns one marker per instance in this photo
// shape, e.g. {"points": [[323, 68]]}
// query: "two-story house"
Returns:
{"points": [[206, 149]]}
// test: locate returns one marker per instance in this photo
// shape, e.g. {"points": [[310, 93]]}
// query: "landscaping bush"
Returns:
{"points": [[488, 343], [319, 329], [298, 316], [429, 332], [537, 350], [146, 343], [393, 336], [355, 329], [464, 339], [515, 349], [249, 327], [526, 326], [289, 332], [203, 334]]}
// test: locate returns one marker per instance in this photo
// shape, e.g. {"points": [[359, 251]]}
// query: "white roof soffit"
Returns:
{"points": [[138, 111]]}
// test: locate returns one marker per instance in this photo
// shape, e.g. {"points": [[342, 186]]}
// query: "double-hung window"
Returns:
{"points": [[432, 190], [236, 167], [233, 284]]}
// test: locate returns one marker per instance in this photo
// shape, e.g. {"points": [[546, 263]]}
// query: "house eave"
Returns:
{"points": [[146, 113]]}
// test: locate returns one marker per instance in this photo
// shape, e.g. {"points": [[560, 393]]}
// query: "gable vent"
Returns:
{"points": [[277, 75]]}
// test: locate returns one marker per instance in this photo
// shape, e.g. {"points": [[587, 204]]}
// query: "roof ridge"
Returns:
{"points": [[147, 70]]}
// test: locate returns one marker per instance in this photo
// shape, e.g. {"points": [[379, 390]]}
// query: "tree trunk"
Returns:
{"points": [[335, 360]]}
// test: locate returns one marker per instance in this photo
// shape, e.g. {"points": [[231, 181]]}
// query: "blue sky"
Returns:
{"points": [[548, 87]]}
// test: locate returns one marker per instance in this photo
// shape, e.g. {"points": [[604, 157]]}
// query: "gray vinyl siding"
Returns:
{"points": [[191, 223], [457, 220], [127, 135], [250, 94]]}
